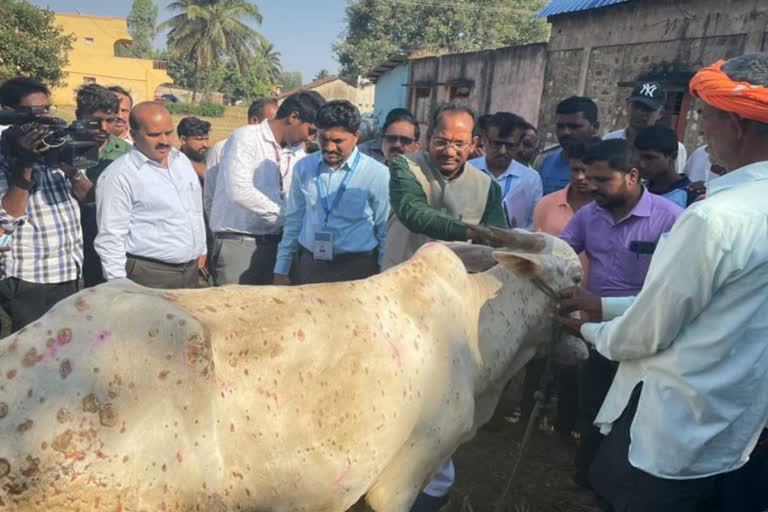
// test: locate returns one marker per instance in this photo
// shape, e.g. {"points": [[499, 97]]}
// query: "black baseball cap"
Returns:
{"points": [[651, 94]]}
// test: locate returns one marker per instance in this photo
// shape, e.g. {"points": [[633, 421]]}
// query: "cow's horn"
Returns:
{"points": [[520, 239]]}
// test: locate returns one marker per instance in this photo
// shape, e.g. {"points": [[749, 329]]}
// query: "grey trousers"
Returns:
{"points": [[245, 260], [346, 267], [155, 274]]}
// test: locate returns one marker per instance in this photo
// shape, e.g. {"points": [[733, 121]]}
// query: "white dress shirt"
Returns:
{"points": [[212, 161], [521, 189], [696, 336], [682, 153], [699, 166], [145, 209], [253, 175]]}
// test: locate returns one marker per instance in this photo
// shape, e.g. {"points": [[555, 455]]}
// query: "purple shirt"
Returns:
{"points": [[617, 267]]}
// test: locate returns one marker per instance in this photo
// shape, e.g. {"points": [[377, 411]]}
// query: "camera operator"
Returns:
{"points": [[97, 103], [38, 208]]}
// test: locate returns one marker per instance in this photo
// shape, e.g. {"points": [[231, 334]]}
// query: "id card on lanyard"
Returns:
{"points": [[282, 174], [323, 240]]}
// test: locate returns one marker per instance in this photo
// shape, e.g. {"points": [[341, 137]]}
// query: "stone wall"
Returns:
{"points": [[591, 52], [507, 79]]}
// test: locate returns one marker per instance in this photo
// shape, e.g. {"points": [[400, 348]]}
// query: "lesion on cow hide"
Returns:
{"points": [[198, 354]]}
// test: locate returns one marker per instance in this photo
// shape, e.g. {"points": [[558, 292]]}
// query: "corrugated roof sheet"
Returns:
{"points": [[564, 6]]}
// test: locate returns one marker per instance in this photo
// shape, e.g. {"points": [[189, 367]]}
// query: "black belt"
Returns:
{"points": [[164, 263], [229, 235], [340, 258]]}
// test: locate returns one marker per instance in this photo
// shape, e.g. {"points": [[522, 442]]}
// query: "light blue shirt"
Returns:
{"points": [[147, 210], [696, 336], [521, 189], [358, 223]]}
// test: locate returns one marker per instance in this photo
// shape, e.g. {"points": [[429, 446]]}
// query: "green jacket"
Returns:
{"points": [[409, 203], [426, 206]]}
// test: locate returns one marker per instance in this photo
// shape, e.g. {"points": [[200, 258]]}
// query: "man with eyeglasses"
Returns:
{"points": [[39, 210], [400, 135], [437, 195], [521, 186], [247, 212], [97, 103]]}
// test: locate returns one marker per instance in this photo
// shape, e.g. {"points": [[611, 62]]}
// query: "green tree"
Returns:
{"points": [[207, 32], [290, 80], [376, 29], [141, 25], [269, 62], [31, 44], [323, 73]]}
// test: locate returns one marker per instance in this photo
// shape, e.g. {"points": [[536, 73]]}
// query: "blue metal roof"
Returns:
{"points": [[564, 6]]}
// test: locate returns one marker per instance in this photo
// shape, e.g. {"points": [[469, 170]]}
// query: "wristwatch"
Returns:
{"points": [[80, 174], [22, 182]]}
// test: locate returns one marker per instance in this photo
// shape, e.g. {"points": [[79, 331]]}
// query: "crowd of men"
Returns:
{"points": [[671, 403]]}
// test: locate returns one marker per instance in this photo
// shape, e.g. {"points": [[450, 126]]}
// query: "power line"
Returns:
{"points": [[463, 6]]}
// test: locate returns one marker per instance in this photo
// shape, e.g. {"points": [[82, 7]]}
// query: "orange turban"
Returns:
{"points": [[715, 88]]}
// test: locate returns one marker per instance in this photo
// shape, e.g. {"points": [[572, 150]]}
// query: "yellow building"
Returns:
{"points": [[93, 59]]}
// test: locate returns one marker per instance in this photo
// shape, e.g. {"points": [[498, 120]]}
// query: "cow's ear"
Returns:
{"points": [[522, 263], [476, 258]]}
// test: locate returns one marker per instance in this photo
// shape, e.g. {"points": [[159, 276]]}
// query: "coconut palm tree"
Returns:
{"points": [[208, 31], [270, 59]]}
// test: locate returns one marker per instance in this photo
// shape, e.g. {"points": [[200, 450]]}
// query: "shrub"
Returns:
{"points": [[204, 109]]}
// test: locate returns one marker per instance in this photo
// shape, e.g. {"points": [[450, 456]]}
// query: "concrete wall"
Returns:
{"points": [[341, 90], [509, 79], [92, 59], [390, 92], [590, 52]]}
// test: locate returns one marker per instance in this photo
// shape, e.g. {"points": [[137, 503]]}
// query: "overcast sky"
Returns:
{"points": [[301, 30]]}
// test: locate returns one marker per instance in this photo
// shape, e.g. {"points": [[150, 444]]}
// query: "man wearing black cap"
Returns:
{"points": [[645, 107]]}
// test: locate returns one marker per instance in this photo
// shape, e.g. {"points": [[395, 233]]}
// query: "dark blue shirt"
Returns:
{"points": [[554, 172]]}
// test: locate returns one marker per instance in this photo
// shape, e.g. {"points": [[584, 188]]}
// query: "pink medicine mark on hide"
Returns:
{"points": [[431, 244], [395, 353], [344, 474], [103, 335], [300, 335]]}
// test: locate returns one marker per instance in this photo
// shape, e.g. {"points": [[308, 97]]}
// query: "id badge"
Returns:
{"points": [[323, 250]]}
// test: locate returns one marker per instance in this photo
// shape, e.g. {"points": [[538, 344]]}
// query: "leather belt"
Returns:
{"points": [[230, 235]]}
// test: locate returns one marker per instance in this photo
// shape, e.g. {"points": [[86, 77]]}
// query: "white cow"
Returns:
{"points": [[129, 399]]}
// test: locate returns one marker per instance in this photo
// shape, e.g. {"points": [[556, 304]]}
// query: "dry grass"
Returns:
{"points": [[221, 127]]}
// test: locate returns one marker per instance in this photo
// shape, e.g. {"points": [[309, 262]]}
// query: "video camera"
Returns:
{"points": [[68, 144]]}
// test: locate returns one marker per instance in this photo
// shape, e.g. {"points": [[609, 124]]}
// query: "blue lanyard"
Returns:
{"points": [[339, 192], [507, 186]]}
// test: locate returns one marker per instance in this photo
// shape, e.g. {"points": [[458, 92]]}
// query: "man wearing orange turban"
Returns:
{"points": [[690, 399]]}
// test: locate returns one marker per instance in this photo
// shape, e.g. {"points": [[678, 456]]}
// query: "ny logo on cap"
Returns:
{"points": [[649, 90]]}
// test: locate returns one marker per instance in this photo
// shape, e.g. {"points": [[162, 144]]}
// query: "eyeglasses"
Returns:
{"points": [[441, 143], [510, 146], [394, 139]]}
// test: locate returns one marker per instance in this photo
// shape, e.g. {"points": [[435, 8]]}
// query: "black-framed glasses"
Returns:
{"points": [[510, 146], [394, 139]]}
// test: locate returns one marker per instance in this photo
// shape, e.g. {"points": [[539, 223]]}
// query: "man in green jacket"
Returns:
{"points": [[436, 195]]}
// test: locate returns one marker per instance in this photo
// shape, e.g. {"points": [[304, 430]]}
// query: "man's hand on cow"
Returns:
{"points": [[570, 325], [281, 280], [483, 235], [576, 298]]}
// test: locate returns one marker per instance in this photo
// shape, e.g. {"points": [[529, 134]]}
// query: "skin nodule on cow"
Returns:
{"points": [[124, 398]]}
